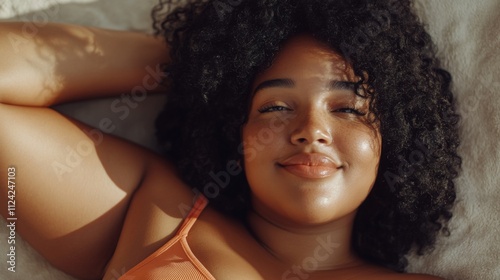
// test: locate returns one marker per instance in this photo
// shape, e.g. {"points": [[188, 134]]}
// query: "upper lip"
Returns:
{"points": [[310, 159]]}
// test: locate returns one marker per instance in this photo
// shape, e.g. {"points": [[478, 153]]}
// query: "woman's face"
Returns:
{"points": [[310, 155]]}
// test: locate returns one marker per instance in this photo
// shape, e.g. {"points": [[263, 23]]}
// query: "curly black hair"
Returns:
{"points": [[217, 49]]}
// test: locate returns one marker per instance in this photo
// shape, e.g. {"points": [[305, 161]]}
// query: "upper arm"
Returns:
{"points": [[73, 185], [63, 63]]}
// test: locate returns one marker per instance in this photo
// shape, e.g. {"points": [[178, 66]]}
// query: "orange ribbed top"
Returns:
{"points": [[174, 260]]}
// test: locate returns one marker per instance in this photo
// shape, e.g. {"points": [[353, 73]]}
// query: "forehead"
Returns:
{"points": [[303, 57]]}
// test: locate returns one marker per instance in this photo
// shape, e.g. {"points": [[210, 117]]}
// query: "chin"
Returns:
{"points": [[317, 215]]}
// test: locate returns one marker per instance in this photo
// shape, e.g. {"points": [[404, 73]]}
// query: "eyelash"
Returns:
{"points": [[273, 108], [353, 111], [277, 108]]}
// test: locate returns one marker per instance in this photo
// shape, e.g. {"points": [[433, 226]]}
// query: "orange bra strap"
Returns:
{"points": [[200, 204]]}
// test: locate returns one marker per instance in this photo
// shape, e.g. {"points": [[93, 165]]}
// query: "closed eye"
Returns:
{"points": [[273, 108], [350, 111]]}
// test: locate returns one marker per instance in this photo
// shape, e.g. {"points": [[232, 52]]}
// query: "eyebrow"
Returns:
{"points": [[343, 85], [289, 83], [280, 83]]}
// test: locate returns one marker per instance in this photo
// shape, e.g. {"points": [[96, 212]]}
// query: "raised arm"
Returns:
{"points": [[61, 63], [73, 184]]}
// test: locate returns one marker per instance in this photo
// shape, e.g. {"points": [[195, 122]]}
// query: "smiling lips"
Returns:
{"points": [[309, 166]]}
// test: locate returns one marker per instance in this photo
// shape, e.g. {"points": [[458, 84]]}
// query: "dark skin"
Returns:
{"points": [[299, 201], [121, 202]]}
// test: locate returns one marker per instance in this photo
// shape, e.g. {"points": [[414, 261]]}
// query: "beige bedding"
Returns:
{"points": [[468, 39]]}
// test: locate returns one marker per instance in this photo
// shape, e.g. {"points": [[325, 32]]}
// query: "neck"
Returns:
{"points": [[322, 247]]}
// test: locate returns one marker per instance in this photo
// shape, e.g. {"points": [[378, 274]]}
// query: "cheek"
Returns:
{"points": [[362, 151], [261, 139], [252, 146], [367, 149], [256, 139], [365, 160]]}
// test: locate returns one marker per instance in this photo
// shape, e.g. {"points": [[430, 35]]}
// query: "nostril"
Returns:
{"points": [[311, 134], [301, 140]]}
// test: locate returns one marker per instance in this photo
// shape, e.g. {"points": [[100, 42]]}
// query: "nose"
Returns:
{"points": [[312, 128]]}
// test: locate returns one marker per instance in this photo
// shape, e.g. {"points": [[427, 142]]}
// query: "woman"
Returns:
{"points": [[322, 132]]}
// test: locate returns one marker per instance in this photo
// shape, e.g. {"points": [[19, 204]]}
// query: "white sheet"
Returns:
{"points": [[467, 36]]}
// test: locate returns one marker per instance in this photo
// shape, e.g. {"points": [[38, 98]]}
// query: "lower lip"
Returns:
{"points": [[310, 172]]}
